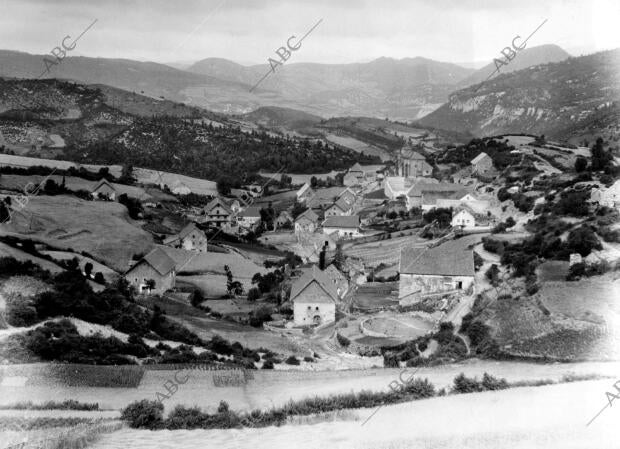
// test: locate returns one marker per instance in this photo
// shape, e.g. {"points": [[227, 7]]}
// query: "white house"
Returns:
{"points": [[314, 296], [463, 218], [104, 190], [346, 226], [609, 197], [249, 218]]}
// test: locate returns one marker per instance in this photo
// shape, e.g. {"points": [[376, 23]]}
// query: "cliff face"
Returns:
{"points": [[546, 99]]}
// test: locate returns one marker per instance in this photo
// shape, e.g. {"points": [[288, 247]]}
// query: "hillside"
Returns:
{"points": [[274, 117], [552, 99], [31, 111]]}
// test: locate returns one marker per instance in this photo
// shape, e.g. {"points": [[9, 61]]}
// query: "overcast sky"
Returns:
{"points": [[249, 31]]}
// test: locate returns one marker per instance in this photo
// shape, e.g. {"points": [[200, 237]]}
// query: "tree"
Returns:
{"points": [[581, 163], [233, 287], [88, 268], [99, 279], [583, 240], [150, 284], [5, 215], [600, 157], [197, 298], [492, 274], [339, 258]]}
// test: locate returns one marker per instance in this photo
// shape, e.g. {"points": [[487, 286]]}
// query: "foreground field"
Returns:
{"points": [[542, 417], [273, 388]]}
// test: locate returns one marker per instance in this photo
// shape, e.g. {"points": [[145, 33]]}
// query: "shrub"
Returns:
{"points": [[144, 414], [268, 364], [292, 360], [492, 383], [253, 294], [344, 341], [464, 384]]}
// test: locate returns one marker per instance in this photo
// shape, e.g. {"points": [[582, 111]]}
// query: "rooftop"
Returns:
{"points": [[159, 260], [452, 258], [345, 221], [313, 281]]}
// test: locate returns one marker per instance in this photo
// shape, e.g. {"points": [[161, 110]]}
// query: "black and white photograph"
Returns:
{"points": [[309, 224]]}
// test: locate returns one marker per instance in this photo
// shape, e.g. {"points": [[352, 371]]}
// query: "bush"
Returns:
{"points": [[292, 360], [144, 414], [253, 294], [464, 384], [268, 364], [344, 341]]}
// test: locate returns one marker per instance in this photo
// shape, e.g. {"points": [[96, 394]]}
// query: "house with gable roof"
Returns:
{"points": [[355, 176], [414, 165], [190, 238], [482, 164], [103, 190], [339, 208], [314, 296], [307, 222], [444, 268], [346, 226], [304, 193], [156, 266], [218, 213]]}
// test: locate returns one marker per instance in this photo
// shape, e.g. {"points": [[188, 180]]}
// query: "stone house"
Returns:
{"points": [[413, 165], [482, 164], [103, 190], [339, 208], [314, 296], [444, 268], [346, 226], [250, 217], [218, 214], [190, 238], [307, 222], [355, 176], [305, 193], [156, 266], [338, 279]]}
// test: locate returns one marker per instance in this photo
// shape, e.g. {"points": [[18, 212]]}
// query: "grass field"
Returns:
{"points": [[542, 417], [100, 228]]}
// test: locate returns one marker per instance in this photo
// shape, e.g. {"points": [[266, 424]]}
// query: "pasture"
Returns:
{"points": [[101, 228]]}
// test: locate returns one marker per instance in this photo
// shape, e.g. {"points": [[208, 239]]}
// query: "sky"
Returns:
{"points": [[249, 31]]}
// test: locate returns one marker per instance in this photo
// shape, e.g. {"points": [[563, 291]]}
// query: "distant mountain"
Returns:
{"points": [[525, 58], [554, 99], [404, 89], [384, 87], [147, 78]]}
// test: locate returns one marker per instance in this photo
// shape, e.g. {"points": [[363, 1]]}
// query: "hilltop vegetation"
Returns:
{"points": [[96, 132]]}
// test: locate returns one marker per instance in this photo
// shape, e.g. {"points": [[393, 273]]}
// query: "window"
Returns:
{"points": [[316, 308], [309, 308]]}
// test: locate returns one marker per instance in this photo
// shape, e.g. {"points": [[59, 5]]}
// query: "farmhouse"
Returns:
{"points": [[431, 195], [305, 193], [307, 222], [463, 218], [444, 268], [250, 217], [218, 214], [283, 219], [104, 190], [609, 197], [482, 164], [355, 176], [314, 298], [346, 226], [190, 238], [153, 274], [348, 196], [339, 208]]}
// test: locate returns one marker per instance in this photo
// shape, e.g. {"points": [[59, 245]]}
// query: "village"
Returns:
{"points": [[389, 256]]}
